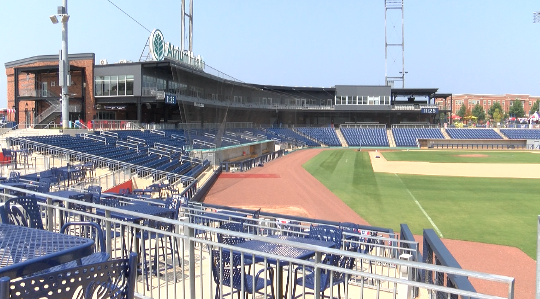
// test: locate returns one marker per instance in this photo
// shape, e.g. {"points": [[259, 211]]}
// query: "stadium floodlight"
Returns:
{"points": [[54, 19], [536, 17]]}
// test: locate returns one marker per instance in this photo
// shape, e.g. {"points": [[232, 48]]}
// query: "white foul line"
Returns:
{"points": [[422, 209]]}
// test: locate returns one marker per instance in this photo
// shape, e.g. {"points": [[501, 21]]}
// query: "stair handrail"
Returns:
{"points": [[47, 112]]}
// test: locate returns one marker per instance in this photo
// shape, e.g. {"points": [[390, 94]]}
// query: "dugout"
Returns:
{"points": [[482, 144]]}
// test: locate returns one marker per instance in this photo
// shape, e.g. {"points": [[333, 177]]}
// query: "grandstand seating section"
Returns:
{"points": [[170, 160], [521, 133], [288, 135], [408, 136], [325, 136], [365, 136], [472, 134]]}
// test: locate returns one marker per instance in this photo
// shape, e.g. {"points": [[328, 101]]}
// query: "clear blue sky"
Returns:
{"points": [[480, 46]]}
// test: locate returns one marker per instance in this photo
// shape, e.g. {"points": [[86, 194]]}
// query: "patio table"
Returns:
{"points": [[26, 250], [284, 251]]}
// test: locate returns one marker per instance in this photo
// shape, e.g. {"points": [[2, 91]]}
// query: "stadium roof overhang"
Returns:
{"points": [[294, 88]]}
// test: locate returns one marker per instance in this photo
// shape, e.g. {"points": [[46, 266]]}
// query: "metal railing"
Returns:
{"points": [[176, 260]]}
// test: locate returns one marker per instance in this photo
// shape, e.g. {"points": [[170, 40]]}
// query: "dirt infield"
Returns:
{"points": [[483, 170], [296, 192]]}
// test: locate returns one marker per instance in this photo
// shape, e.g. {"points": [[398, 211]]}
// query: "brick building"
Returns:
{"points": [[487, 100], [34, 94]]}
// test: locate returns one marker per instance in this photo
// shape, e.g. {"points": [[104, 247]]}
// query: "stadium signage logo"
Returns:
{"points": [[160, 50]]}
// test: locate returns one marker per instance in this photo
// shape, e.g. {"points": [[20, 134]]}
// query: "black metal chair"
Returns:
{"points": [[225, 270], [111, 279], [28, 214]]}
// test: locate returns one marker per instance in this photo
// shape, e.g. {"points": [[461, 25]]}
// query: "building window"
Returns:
{"points": [[106, 115], [111, 86]]}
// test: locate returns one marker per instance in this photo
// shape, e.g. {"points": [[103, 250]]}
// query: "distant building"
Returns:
{"points": [[487, 100]]}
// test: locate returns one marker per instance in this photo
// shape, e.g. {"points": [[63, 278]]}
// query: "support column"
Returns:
{"points": [[139, 110]]}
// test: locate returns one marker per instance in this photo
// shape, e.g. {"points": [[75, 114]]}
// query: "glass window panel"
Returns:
{"points": [[106, 86], [114, 85], [98, 88], [129, 85], [121, 85]]}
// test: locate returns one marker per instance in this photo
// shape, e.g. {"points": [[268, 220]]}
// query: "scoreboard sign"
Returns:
{"points": [[429, 110], [170, 99]]}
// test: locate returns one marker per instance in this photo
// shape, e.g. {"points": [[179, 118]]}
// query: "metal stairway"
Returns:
{"points": [[54, 110]]}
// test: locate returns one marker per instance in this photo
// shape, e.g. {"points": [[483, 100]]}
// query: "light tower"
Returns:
{"points": [[394, 40], [183, 26], [64, 79]]}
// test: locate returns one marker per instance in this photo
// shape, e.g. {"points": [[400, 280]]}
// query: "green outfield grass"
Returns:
{"points": [[496, 211], [456, 156]]}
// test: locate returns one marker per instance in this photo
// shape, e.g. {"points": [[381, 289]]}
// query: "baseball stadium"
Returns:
{"points": [[186, 182]]}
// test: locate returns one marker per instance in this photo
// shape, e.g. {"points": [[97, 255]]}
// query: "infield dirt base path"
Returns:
{"points": [[284, 186], [484, 170], [294, 192]]}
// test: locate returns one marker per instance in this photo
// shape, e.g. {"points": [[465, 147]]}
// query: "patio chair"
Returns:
{"points": [[43, 186], [293, 228], [352, 236], [23, 157], [22, 211], [225, 270], [111, 279], [328, 278], [252, 225], [14, 177], [232, 240], [326, 233], [96, 193], [150, 236], [86, 230]]}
